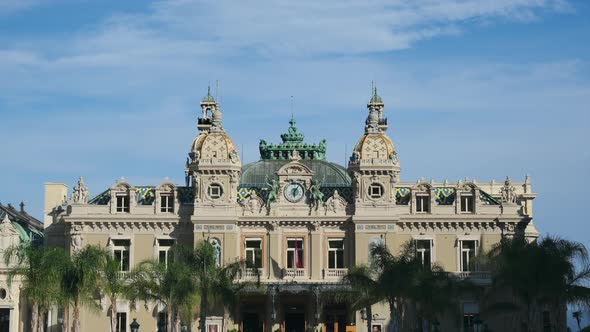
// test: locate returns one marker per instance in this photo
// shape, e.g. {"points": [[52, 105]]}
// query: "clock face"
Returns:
{"points": [[293, 192]]}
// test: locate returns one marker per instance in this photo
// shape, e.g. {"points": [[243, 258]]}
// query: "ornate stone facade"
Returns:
{"points": [[301, 220]]}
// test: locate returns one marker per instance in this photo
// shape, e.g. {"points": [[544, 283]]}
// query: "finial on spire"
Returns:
{"points": [[208, 98], [375, 99]]}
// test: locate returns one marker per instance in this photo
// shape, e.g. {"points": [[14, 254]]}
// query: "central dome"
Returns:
{"points": [[258, 173]]}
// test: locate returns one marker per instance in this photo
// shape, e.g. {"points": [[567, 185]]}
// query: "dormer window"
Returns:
{"points": [[467, 203], [122, 202], [166, 203], [422, 203]]}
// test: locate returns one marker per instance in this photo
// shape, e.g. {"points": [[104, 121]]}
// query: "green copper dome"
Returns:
{"points": [[375, 99], [257, 174]]}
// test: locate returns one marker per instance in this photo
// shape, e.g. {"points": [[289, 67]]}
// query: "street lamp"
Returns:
{"points": [[134, 325]]}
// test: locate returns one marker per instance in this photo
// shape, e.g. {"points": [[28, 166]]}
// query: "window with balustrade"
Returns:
{"points": [[423, 251], [336, 254], [295, 253], [121, 250], [468, 252], [254, 252], [165, 255]]}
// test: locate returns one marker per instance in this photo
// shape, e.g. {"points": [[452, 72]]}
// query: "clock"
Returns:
{"points": [[294, 192]]}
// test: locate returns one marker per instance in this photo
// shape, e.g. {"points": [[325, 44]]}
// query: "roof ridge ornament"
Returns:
{"points": [[292, 142]]}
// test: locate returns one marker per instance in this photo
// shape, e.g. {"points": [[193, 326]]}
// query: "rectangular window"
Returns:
{"points": [[468, 253], [122, 203], [166, 203], [424, 251], [254, 252], [295, 253], [336, 254], [121, 322], [121, 253], [467, 203], [422, 203], [164, 253]]}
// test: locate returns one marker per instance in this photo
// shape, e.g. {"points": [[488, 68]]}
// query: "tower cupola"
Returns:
{"points": [[374, 165]]}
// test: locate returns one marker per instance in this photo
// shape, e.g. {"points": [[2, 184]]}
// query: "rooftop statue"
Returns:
{"points": [[79, 193]]}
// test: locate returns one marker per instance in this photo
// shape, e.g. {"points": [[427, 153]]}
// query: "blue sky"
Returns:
{"points": [[476, 88]]}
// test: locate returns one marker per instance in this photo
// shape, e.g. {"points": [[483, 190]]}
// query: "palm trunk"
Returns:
{"points": [[76, 318], [203, 311], [66, 321], [369, 311], [176, 321], [113, 313], [41, 323], [170, 313], [34, 316], [393, 317]]}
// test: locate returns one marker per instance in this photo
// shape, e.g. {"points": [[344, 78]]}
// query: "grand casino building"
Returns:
{"points": [[299, 218]]}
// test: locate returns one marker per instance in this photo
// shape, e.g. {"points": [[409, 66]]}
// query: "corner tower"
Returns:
{"points": [[374, 166], [213, 168]]}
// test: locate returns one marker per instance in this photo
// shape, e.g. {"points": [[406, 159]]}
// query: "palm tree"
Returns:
{"points": [[80, 280], [403, 283], [549, 272], [215, 284], [35, 267], [364, 293], [170, 285], [114, 285], [578, 317]]}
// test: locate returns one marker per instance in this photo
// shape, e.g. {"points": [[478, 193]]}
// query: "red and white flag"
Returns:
{"points": [[296, 260]]}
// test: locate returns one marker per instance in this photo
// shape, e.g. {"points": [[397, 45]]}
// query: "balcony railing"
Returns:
{"points": [[250, 273], [476, 277], [295, 273], [483, 275], [335, 273]]}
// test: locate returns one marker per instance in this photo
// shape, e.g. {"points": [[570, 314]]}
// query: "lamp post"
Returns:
{"points": [[134, 325]]}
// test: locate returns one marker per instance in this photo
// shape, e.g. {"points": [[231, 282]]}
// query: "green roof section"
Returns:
{"points": [[292, 141], [257, 174], [28, 228], [144, 195]]}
